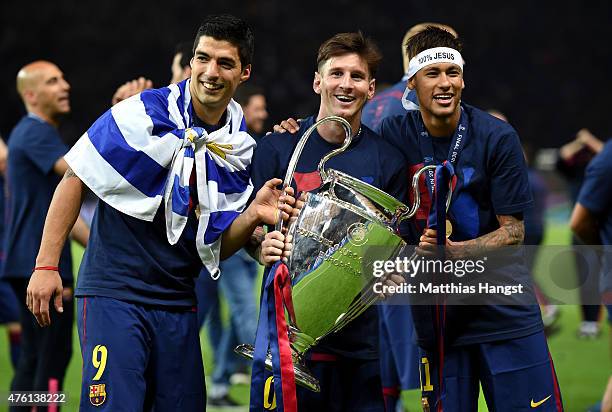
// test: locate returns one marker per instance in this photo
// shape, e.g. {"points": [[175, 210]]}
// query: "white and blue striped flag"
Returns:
{"points": [[143, 150]]}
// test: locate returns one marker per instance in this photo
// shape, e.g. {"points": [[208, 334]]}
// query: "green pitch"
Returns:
{"points": [[582, 366]]}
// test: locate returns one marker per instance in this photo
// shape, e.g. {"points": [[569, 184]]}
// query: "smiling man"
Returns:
{"points": [[35, 166], [170, 167], [500, 347], [345, 363]]}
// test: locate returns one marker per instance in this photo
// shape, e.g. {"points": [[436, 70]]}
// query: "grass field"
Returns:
{"points": [[583, 366]]}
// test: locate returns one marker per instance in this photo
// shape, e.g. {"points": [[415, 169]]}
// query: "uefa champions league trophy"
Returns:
{"points": [[341, 230]]}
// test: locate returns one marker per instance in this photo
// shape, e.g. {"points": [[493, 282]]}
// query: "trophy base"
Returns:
{"points": [[303, 376]]}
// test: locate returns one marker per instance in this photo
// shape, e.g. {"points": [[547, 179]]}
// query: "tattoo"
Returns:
{"points": [[511, 232], [253, 245], [69, 173]]}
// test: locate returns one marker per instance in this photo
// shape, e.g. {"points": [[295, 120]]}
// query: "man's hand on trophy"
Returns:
{"points": [[271, 203], [428, 243], [392, 281], [290, 125], [297, 208], [428, 246], [275, 247]]}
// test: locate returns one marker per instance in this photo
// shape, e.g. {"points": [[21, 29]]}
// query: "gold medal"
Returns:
{"points": [[449, 228]]}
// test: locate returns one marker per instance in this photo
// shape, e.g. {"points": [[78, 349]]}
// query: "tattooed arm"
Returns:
{"points": [[63, 213], [511, 231]]}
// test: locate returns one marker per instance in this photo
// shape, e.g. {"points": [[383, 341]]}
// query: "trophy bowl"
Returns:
{"points": [[341, 230]]}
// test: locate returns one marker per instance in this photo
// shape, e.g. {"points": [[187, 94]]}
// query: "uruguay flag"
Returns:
{"points": [[142, 152]]}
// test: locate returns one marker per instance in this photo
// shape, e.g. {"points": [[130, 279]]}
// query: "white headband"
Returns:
{"points": [[433, 56]]}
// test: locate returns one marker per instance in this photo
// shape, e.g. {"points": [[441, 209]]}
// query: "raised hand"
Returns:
{"points": [[128, 89], [271, 203]]}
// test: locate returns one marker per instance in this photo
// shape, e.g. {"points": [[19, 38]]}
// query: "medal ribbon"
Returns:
{"points": [[460, 137], [438, 182], [272, 334]]}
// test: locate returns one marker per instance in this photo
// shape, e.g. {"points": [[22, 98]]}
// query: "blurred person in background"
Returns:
{"points": [[35, 166], [253, 101], [572, 162], [591, 222], [9, 305], [534, 229], [181, 62], [237, 285], [180, 69]]}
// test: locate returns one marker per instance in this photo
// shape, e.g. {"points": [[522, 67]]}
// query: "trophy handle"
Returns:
{"points": [[417, 194], [297, 152]]}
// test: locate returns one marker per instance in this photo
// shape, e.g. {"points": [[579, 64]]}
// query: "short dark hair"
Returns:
{"points": [[432, 37], [345, 43], [232, 29], [186, 50], [245, 91]]}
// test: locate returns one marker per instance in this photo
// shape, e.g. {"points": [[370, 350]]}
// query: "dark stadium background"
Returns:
{"points": [[545, 64]]}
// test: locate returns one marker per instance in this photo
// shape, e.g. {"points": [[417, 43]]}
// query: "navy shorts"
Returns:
{"points": [[515, 374], [399, 355], [346, 385], [136, 358], [9, 305]]}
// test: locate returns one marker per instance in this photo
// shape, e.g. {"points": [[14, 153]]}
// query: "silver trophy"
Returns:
{"points": [[341, 230]]}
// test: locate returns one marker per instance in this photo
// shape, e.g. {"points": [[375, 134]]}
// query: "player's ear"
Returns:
{"points": [[246, 73], [316, 83], [371, 88], [30, 97], [412, 83]]}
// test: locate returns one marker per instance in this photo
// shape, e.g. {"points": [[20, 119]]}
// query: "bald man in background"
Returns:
{"points": [[35, 167]]}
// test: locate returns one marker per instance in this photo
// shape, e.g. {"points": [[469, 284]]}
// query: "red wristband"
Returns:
{"points": [[54, 268]]}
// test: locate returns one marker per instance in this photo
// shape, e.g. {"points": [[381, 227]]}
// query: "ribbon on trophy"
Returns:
{"points": [[443, 176], [272, 334]]}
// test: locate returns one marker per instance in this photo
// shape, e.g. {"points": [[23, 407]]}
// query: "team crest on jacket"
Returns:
{"points": [[97, 394]]}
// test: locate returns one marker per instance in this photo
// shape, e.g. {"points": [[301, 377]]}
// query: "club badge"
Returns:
{"points": [[97, 394]]}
